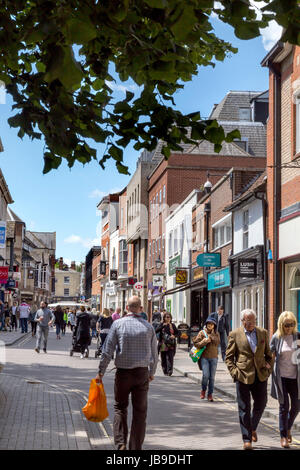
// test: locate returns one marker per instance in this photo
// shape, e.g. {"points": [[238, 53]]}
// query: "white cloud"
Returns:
{"points": [[97, 194], [85, 242], [272, 33], [117, 87]]}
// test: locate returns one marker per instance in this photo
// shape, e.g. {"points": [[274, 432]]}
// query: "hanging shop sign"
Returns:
{"points": [[247, 268], [138, 286], [113, 275], [103, 267], [198, 273], [3, 274], [2, 234], [181, 276], [173, 264], [209, 260], [158, 280], [30, 274]]}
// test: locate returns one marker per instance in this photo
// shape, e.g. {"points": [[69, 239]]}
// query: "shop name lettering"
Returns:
{"points": [[152, 460]]}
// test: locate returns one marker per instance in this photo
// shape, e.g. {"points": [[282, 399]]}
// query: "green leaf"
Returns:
{"points": [[80, 31], [247, 30], [166, 151], [161, 4]]}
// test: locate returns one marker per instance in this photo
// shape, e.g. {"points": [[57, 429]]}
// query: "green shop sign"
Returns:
{"points": [[173, 264]]}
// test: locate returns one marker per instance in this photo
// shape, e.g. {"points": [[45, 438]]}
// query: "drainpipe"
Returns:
{"points": [[277, 187], [265, 260]]}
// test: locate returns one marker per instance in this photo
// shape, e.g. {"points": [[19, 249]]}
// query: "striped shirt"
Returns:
{"points": [[135, 343]]}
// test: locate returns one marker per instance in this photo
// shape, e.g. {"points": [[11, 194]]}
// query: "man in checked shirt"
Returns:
{"points": [[135, 343]]}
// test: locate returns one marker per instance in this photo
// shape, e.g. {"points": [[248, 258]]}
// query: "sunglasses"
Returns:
{"points": [[289, 325]]}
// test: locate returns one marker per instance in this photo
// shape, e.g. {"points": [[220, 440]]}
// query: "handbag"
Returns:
{"points": [[196, 353], [168, 340], [96, 408]]}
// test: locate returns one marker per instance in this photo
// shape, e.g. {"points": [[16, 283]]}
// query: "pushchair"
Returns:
{"points": [[76, 347]]}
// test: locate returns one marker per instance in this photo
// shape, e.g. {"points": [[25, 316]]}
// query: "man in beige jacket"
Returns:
{"points": [[249, 360]]}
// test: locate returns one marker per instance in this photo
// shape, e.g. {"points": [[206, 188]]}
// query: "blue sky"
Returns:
{"points": [[64, 201]]}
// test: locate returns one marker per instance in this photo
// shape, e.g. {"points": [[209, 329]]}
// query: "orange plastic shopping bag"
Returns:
{"points": [[96, 407]]}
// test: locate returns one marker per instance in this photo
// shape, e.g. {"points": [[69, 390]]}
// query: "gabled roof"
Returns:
{"points": [[12, 216], [258, 183], [228, 108]]}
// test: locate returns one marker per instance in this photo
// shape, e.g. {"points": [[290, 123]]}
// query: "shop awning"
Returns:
{"points": [[189, 285]]}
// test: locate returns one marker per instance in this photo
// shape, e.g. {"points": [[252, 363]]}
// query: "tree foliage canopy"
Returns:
{"points": [[56, 57]]}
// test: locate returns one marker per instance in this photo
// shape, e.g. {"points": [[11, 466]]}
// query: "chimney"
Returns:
{"points": [[73, 265], [61, 263]]}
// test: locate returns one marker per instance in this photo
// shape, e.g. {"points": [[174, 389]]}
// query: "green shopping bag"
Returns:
{"points": [[195, 353]]}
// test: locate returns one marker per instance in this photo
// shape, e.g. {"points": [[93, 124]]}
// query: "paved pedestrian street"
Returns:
{"points": [[41, 396]]}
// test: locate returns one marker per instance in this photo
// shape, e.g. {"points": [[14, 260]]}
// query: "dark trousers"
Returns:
{"points": [[223, 343], [14, 322], [33, 327], [24, 324], [167, 361], [249, 421], [136, 382], [287, 414]]}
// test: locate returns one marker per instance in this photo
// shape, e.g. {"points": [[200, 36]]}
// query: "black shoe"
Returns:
{"points": [[45, 350], [37, 350]]}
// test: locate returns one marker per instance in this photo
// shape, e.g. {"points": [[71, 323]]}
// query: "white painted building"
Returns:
{"points": [[249, 253], [178, 254]]}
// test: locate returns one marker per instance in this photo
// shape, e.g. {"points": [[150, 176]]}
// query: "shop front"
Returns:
{"points": [[247, 268], [219, 290], [292, 289], [199, 297], [289, 255]]}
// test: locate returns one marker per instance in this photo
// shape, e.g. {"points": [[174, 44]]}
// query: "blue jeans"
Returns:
{"points": [[23, 324], [287, 414], [209, 368]]}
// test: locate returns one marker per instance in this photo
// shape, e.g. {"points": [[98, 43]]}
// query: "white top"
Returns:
{"points": [[286, 368], [24, 310]]}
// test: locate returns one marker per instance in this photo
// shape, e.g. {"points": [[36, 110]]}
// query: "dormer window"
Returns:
{"points": [[245, 114]]}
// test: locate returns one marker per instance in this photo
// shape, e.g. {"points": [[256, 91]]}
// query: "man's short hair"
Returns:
{"points": [[247, 311], [134, 303], [221, 306]]}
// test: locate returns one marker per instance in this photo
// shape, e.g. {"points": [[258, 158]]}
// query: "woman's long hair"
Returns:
{"points": [[281, 320]]}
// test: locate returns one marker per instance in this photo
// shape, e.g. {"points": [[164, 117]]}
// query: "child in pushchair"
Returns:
{"points": [[77, 346]]}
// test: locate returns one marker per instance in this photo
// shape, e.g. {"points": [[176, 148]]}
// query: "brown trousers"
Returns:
{"points": [[136, 382]]}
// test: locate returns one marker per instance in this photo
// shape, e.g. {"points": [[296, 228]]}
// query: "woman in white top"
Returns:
{"points": [[286, 373]]}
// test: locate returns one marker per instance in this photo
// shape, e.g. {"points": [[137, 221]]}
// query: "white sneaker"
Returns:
{"points": [[81, 356]]}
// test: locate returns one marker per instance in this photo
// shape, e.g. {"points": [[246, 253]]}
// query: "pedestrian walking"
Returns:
{"points": [[14, 321], [136, 362], [210, 339], [82, 331], [249, 361], [6, 315], [167, 332], [156, 317], [2, 317], [286, 374], [72, 319], [44, 318], [222, 320], [144, 314], [64, 323], [103, 326], [93, 323], [24, 310], [59, 320], [117, 314], [33, 323]]}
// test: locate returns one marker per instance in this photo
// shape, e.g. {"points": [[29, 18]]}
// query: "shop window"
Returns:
{"points": [[222, 233]]}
